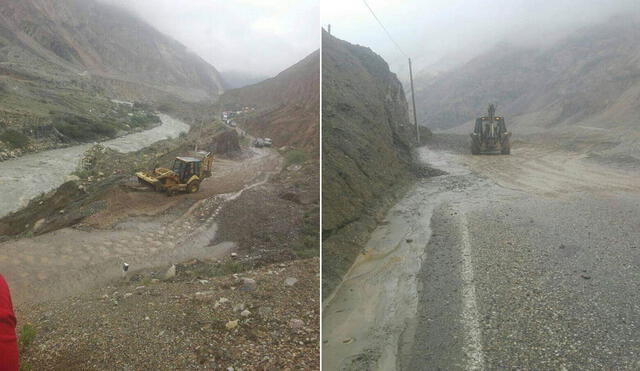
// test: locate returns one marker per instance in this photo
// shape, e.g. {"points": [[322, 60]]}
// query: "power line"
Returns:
{"points": [[413, 95], [385, 29]]}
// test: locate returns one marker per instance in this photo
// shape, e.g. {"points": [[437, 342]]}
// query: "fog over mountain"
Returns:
{"points": [[441, 34], [253, 36]]}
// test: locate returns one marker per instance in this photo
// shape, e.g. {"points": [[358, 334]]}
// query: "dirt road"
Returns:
{"points": [[142, 228], [529, 261]]}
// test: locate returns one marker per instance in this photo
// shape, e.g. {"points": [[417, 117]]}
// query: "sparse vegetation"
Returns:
{"points": [[84, 129], [309, 244], [143, 119], [226, 267], [14, 138], [26, 336], [295, 156]]}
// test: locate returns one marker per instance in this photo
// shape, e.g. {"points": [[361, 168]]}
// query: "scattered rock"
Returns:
{"points": [[409, 240], [38, 225], [585, 276], [348, 340], [248, 284], [264, 311], [296, 323], [220, 302], [245, 313], [72, 178], [290, 281], [170, 273], [204, 295], [231, 325]]}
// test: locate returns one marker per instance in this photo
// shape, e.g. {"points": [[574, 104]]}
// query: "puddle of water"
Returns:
{"points": [[28, 176]]}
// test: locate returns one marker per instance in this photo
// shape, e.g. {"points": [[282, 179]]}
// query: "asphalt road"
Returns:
{"points": [[532, 263]]}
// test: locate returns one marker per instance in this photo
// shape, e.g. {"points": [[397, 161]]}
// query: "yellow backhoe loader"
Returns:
{"points": [[186, 175]]}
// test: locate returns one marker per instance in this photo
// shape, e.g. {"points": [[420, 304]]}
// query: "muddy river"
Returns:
{"points": [[26, 177]]}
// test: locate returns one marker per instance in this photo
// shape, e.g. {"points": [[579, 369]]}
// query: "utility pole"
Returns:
{"points": [[413, 100], [329, 28]]}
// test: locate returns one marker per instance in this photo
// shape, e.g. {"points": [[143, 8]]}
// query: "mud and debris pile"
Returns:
{"points": [[225, 143]]}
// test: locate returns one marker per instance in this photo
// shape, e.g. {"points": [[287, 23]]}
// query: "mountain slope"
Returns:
{"points": [[589, 78], [61, 63], [84, 35], [287, 105], [366, 146]]}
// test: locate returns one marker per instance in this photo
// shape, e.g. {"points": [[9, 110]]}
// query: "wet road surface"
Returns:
{"points": [[528, 261]]}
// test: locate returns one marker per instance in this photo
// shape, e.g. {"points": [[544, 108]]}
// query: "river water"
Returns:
{"points": [[26, 177]]}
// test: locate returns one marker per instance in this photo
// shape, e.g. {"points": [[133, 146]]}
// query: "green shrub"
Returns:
{"points": [[309, 244], [26, 336], [143, 119], [295, 156], [84, 129], [14, 138]]}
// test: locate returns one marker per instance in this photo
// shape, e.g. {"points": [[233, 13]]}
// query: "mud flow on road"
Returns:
{"points": [[528, 261]]}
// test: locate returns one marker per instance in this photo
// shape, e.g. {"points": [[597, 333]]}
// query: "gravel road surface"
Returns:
{"points": [[529, 261]]}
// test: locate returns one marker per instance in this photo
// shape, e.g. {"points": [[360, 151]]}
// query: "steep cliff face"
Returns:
{"points": [[590, 78], [287, 106], [366, 144]]}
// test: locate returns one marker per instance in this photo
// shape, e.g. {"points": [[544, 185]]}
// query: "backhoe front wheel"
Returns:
{"points": [[506, 149], [193, 187], [475, 148]]}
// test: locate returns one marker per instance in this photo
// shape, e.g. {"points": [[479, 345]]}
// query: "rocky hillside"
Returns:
{"points": [[287, 106], [93, 39], [62, 62], [367, 140], [591, 78]]}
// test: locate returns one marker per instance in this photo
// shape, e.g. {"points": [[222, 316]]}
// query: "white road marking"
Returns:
{"points": [[470, 321]]}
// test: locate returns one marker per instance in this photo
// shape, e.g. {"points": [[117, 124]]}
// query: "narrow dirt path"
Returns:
{"points": [[144, 229]]}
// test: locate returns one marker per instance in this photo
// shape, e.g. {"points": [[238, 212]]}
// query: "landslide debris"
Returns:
{"points": [[367, 139], [287, 106]]}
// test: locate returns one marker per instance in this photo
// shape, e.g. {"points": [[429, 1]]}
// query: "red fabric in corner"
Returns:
{"points": [[8, 340]]}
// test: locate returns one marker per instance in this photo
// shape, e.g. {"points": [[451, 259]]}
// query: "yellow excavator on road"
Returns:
{"points": [[186, 175]]}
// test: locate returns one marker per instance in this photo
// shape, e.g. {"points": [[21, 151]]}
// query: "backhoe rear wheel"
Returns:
{"points": [[193, 187]]}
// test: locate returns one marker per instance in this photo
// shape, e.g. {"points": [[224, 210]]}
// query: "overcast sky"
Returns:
{"points": [[262, 37], [433, 31]]}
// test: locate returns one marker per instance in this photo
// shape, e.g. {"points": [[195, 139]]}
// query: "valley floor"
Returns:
{"points": [[245, 224], [528, 261]]}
